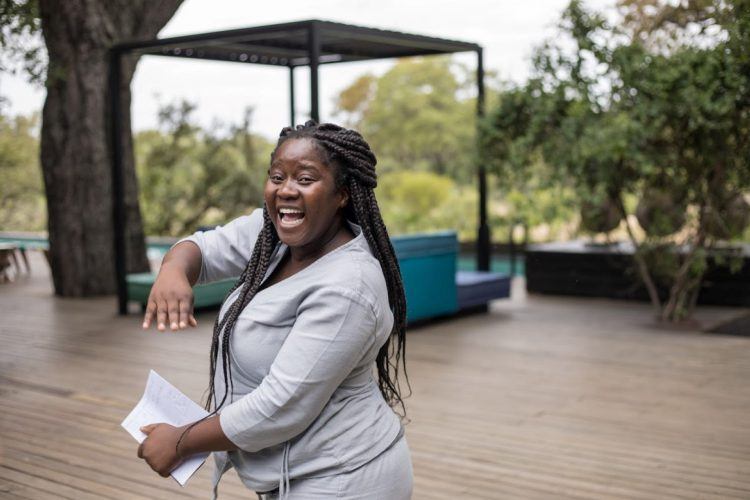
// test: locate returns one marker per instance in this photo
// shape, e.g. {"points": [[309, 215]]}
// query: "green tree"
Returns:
{"points": [[22, 49], [663, 25], [414, 202], [21, 190], [191, 177], [417, 116], [353, 102], [618, 116]]}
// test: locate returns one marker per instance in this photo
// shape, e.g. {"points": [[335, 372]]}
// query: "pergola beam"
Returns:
{"points": [[292, 119], [314, 48], [483, 232], [118, 177]]}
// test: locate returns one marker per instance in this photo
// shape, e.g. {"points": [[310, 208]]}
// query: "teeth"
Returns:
{"points": [[284, 212], [291, 223]]}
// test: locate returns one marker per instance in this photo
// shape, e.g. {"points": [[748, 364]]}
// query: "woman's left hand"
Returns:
{"points": [[159, 449]]}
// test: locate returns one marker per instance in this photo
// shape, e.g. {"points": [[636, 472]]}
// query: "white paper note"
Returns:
{"points": [[162, 402]]}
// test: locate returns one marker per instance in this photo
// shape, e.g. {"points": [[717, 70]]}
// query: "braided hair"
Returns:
{"points": [[353, 162]]}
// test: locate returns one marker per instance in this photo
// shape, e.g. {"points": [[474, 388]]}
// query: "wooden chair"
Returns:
{"points": [[7, 258]]}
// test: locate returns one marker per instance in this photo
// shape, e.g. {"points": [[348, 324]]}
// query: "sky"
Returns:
{"points": [[508, 30]]}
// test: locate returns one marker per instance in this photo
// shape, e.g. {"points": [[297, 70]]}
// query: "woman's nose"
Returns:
{"points": [[287, 189]]}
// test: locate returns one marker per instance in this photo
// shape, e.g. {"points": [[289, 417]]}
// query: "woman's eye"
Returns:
{"points": [[306, 180], [275, 178]]}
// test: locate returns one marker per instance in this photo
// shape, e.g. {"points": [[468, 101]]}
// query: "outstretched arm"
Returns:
{"points": [[203, 257]]}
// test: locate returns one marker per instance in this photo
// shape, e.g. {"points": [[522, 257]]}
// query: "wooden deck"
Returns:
{"points": [[541, 398]]}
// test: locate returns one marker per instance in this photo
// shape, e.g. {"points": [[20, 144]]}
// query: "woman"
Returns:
{"points": [[297, 411]]}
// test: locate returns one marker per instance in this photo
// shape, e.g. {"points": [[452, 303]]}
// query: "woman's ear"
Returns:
{"points": [[344, 197]]}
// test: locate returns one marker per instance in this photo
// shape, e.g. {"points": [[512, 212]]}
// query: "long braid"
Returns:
{"points": [[249, 281], [389, 356]]}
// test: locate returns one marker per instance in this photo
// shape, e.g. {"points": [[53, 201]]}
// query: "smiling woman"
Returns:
{"points": [[296, 409]]}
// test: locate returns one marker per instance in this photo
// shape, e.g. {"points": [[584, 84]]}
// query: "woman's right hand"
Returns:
{"points": [[170, 301]]}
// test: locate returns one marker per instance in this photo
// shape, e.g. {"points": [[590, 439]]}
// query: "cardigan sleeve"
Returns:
{"points": [[334, 330], [226, 250]]}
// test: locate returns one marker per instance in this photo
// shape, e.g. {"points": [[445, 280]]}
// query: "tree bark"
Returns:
{"points": [[75, 150]]}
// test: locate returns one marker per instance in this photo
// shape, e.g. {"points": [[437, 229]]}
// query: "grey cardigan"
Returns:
{"points": [[305, 401]]}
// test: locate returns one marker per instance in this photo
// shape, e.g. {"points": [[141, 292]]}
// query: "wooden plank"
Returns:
{"points": [[13, 490], [36, 480]]}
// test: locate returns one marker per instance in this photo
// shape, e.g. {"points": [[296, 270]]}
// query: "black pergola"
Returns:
{"points": [[303, 43]]}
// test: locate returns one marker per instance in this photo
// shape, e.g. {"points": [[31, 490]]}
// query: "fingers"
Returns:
{"points": [[185, 314], [154, 457], [173, 311], [150, 313], [146, 429], [170, 309], [161, 316], [191, 320]]}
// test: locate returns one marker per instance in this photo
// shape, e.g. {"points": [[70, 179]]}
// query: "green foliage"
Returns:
{"points": [[419, 117], [414, 202], [416, 116], [189, 177], [534, 200], [21, 46], [22, 202], [663, 25], [640, 109], [354, 101]]}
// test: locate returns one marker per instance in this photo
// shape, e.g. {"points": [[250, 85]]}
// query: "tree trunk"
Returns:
{"points": [[640, 262], [75, 150]]}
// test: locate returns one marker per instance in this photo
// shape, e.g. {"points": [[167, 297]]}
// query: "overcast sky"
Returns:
{"points": [[508, 31]]}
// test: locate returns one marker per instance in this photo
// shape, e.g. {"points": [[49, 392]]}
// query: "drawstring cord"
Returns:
{"points": [[284, 479], [223, 464]]}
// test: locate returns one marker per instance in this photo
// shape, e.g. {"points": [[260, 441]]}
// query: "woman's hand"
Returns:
{"points": [[159, 449], [170, 301]]}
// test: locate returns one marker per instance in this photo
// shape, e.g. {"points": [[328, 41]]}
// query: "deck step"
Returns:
{"points": [[476, 288]]}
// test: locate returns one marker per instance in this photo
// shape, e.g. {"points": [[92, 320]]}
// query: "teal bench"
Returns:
{"points": [[428, 268]]}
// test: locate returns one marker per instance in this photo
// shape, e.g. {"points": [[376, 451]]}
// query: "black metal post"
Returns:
{"points": [[291, 96], [483, 235], [525, 243], [512, 249], [118, 181], [314, 52]]}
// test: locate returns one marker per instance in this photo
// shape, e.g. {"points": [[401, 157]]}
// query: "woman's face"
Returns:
{"points": [[301, 195]]}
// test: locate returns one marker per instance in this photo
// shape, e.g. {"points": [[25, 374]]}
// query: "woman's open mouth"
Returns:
{"points": [[290, 217]]}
